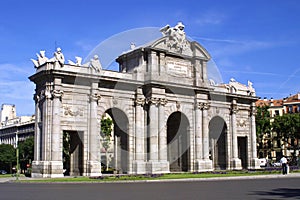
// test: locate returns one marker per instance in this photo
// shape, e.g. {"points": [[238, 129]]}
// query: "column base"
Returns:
{"points": [[93, 168], [158, 167], [204, 165], [47, 169], [236, 164], [254, 163], [139, 167]]}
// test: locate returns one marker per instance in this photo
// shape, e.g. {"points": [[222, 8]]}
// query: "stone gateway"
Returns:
{"points": [[167, 116]]}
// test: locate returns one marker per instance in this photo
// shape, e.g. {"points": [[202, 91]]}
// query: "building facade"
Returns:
{"points": [[272, 146], [167, 115], [13, 128]]}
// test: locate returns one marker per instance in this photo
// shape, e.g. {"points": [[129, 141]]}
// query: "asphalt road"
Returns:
{"points": [[264, 189]]}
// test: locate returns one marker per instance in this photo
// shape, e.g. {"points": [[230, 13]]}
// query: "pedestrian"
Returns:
{"points": [[283, 162]]}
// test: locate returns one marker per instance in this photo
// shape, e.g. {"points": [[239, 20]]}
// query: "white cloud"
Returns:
{"points": [[84, 45], [210, 17]]}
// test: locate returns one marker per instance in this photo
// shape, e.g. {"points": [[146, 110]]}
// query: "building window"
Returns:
{"points": [[276, 112], [290, 109], [298, 108]]}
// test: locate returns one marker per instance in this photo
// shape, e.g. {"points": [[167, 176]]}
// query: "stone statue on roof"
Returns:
{"points": [[41, 59], [77, 62], [59, 56], [94, 63], [176, 36]]}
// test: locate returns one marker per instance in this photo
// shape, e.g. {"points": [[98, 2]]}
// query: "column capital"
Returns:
{"points": [[57, 93], [203, 105], [234, 109], [36, 97], [140, 101], [163, 101], [95, 97], [153, 100], [253, 111]]}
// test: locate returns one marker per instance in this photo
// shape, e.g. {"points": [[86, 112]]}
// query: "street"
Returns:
{"points": [[274, 188]]}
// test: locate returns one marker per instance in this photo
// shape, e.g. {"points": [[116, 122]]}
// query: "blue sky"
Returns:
{"points": [[256, 40]]}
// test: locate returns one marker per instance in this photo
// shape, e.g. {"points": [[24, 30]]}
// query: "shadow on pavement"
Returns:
{"points": [[281, 193]]}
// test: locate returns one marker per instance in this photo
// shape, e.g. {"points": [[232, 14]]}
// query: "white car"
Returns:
{"points": [[262, 162], [276, 164]]}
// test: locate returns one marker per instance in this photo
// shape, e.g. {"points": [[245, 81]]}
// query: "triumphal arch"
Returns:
{"points": [[167, 115]]}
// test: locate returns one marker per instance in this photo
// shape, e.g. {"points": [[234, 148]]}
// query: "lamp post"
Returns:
{"points": [[17, 156]]}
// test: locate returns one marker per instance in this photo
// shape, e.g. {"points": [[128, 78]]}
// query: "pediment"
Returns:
{"points": [[183, 48]]}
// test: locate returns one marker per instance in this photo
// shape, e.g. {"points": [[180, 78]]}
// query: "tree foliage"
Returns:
{"points": [[26, 150], [287, 126], [106, 131], [8, 154], [262, 119]]}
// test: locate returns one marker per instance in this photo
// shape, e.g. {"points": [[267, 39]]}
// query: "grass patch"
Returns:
{"points": [[143, 177]]}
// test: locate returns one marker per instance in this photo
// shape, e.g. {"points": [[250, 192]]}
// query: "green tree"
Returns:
{"points": [[106, 133], [287, 127], [263, 126], [26, 152], [7, 156]]}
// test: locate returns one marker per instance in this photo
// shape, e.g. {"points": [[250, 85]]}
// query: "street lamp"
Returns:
{"points": [[17, 155]]}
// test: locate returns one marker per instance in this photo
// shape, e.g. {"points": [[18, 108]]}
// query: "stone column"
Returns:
{"points": [[235, 162], [153, 128], [254, 163], [163, 148], [94, 157], [37, 133], [139, 165], [198, 138], [207, 162], [163, 154], [56, 160]]}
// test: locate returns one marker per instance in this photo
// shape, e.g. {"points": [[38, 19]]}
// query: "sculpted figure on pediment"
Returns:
{"points": [[176, 37]]}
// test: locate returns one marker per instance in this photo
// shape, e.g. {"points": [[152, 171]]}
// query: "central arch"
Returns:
{"points": [[217, 144], [178, 131], [118, 152]]}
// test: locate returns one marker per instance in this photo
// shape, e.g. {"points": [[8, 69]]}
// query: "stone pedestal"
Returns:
{"points": [[158, 167], [139, 167], [254, 163], [203, 165], [94, 168], [236, 164], [47, 169]]}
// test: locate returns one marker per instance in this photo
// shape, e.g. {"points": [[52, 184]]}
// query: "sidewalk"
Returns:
{"points": [[267, 176]]}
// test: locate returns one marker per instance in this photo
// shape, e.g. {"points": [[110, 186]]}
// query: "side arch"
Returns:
{"points": [[178, 136], [217, 142], [116, 157]]}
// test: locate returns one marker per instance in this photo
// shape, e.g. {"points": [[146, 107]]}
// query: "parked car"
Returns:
{"points": [[263, 162], [3, 172], [276, 164]]}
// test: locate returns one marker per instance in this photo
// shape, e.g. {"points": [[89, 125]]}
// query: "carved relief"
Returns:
{"points": [[69, 112], [242, 123]]}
